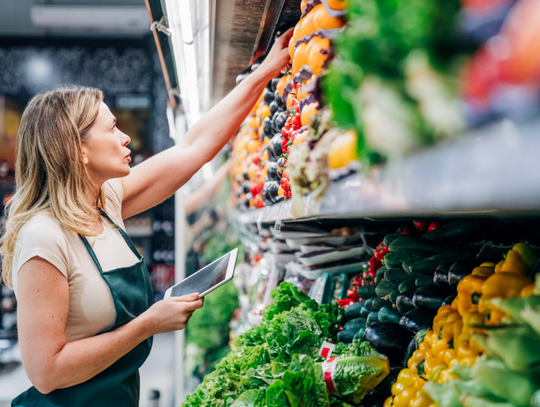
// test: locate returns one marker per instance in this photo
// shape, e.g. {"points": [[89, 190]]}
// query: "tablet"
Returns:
{"points": [[206, 279]]}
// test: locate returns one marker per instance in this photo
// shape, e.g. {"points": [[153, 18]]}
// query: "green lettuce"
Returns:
{"points": [[358, 370]]}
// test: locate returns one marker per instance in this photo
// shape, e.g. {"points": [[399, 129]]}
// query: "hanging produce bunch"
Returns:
{"points": [[281, 117]]}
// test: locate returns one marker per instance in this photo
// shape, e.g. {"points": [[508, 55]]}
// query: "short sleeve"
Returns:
{"points": [[43, 238], [114, 195]]}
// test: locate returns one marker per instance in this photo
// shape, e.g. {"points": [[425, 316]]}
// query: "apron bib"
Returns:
{"points": [[118, 385]]}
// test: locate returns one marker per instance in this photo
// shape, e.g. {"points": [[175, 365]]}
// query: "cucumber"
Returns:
{"points": [[378, 278], [366, 291], [354, 310], [392, 260], [430, 264], [369, 303], [456, 231], [389, 314], [380, 271], [419, 243], [378, 303], [388, 239], [393, 296], [384, 288], [372, 318], [420, 281], [346, 336], [365, 311], [396, 275], [405, 285], [355, 324]]}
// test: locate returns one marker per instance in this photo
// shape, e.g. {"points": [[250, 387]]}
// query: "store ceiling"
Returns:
{"points": [[16, 19]]}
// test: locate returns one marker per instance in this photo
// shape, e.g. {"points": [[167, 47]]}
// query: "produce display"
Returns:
{"points": [[393, 314]]}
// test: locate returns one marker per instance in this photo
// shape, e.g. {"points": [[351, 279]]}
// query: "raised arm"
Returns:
{"points": [[154, 180], [42, 310]]}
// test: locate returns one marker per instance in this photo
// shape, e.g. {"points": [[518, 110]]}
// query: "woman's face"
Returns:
{"points": [[105, 151]]}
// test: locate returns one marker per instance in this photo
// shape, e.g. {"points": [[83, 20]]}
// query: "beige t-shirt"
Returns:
{"points": [[91, 306]]}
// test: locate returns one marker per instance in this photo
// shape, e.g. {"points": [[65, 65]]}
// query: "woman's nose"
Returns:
{"points": [[125, 139]]}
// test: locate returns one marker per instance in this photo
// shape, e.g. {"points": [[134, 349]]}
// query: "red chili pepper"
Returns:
{"points": [[352, 294], [434, 225], [357, 279], [340, 328], [421, 225], [407, 231], [296, 121], [345, 302]]}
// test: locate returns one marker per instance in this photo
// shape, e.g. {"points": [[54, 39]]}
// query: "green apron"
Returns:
{"points": [[118, 385]]}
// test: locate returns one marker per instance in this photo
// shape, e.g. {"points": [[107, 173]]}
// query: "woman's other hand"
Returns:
{"points": [[171, 314], [278, 57]]}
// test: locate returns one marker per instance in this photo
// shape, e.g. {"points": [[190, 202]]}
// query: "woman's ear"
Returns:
{"points": [[85, 156]]}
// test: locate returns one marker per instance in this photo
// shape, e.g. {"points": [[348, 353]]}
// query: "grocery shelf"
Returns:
{"points": [[491, 171]]}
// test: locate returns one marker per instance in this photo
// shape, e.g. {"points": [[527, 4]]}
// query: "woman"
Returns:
{"points": [[85, 313]]}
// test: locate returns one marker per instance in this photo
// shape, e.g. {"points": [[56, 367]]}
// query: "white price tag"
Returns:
{"points": [[277, 227]]}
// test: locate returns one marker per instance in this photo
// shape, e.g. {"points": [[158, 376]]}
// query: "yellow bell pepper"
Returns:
{"points": [[520, 259]]}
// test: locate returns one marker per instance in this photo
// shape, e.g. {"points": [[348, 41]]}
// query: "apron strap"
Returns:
{"points": [[92, 254], [122, 233]]}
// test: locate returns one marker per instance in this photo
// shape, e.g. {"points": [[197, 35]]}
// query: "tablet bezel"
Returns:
{"points": [[230, 273]]}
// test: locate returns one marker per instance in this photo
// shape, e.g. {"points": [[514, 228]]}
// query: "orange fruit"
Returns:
{"points": [[309, 23], [289, 100], [297, 33], [307, 112], [282, 83], [338, 4], [323, 19], [264, 112], [303, 5], [317, 54], [300, 58], [255, 107], [252, 135], [252, 122]]}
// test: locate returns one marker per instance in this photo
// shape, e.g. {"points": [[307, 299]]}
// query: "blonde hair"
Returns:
{"points": [[50, 175]]}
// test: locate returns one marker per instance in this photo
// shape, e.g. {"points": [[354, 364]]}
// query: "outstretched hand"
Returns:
{"points": [[278, 57]]}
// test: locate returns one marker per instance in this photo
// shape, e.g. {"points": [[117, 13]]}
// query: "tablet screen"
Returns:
{"points": [[205, 278]]}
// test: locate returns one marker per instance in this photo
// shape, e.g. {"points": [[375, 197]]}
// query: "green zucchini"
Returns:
{"points": [[372, 318], [389, 314], [346, 336], [392, 260], [393, 296], [423, 281], [378, 278], [366, 291], [355, 324], [430, 264], [419, 243], [365, 311], [378, 303], [396, 275], [388, 239], [405, 285], [354, 310], [368, 305], [384, 288], [380, 271], [360, 333], [456, 231]]}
